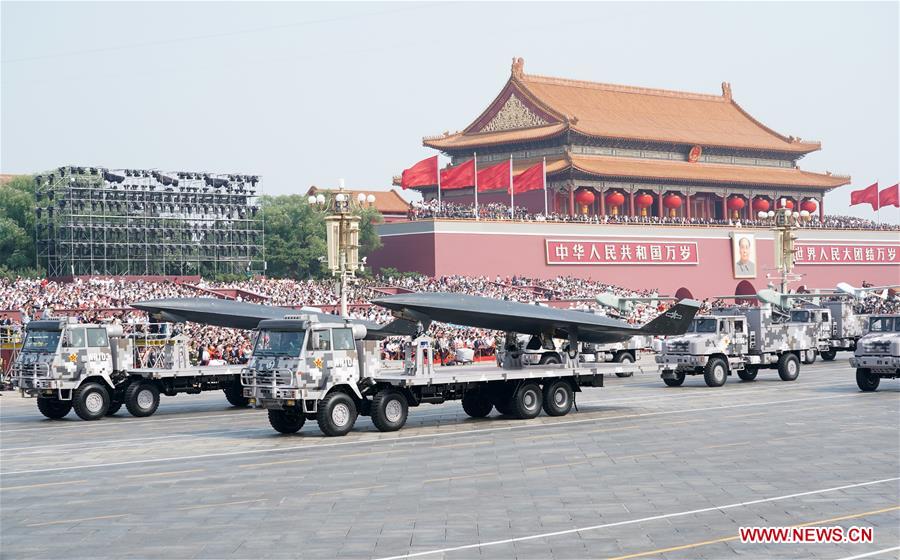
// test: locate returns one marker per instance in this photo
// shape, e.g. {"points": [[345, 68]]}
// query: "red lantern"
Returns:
{"points": [[672, 201], [643, 201], [584, 198], [615, 199], [809, 205], [735, 203], [760, 204], [788, 203]]}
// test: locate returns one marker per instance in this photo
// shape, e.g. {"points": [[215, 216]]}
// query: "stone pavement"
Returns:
{"points": [[640, 471]]}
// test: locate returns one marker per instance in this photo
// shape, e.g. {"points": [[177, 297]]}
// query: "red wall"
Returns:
{"points": [[491, 249]]}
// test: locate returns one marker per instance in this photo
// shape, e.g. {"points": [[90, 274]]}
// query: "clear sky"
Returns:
{"points": [[304, 93]]}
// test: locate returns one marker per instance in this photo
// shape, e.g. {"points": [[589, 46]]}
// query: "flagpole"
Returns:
{"points": [[512, 192], [475, 159], [437, 164], [544, 169]]}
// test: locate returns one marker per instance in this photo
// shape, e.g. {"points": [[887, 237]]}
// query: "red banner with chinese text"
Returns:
{"points": [[844, 253], [579, 251]]}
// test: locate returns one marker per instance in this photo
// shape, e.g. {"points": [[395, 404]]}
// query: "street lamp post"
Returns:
{"points": [[784, 223], [342, 235]]}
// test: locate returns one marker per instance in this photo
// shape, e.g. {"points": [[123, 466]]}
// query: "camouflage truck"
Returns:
{"points": [[305, 368], [847, 327], [877, 354], [95, 369], [737, 340]]}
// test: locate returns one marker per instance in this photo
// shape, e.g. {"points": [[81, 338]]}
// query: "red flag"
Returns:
{"points": [[494, 177], [422, 174], [868, 194], [531, 179], [890, 196], [459, 177]]}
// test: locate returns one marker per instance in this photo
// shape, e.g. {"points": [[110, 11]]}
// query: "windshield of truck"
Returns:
{"points": [[279, 343], [41, 341], [884, 324], [702, 326], [800, 316]]}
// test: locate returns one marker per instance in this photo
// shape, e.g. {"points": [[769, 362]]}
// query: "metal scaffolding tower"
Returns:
{"points": [[95, 221]]}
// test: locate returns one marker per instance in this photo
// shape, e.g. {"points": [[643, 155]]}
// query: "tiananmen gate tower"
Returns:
{"points": [[613, 150]]}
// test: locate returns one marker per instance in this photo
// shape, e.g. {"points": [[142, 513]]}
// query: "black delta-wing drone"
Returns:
{"points": [[523, 318], [243, 315]]}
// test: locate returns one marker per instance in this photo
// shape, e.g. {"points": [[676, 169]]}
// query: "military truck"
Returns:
{"points": [[304, 368], [737, 340], [95, 369], [877, 354], [847, 327]]}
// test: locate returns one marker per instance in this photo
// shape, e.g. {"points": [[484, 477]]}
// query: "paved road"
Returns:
{"points": [[640, 470]]}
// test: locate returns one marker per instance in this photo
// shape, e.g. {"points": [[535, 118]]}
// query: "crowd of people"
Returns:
{"points": [[500, 212], [98, 300]]}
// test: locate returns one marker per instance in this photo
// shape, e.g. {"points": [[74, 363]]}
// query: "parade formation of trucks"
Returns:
{"points": [[305, 369], [95, 369], [738, 340], [877, 354]]}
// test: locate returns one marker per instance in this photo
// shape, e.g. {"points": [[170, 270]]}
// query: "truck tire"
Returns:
{"points": [[866, 380], [749, 373], [623, 357], [389, 410], [788, 367], [501, 398], [549, 359], [114, 407], [337, 414], [527, 401], [141, 398], [809, 357], [476, 404], [829, 355], [677, 382], [90, 401], [53, 408], [235, 396], [286, 422], [716, 372], [558, 398]]}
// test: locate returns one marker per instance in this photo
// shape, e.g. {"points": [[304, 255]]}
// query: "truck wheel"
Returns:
{"points": [[527, 401], [389, 410], [549, 359], [501, 398], [558, 398], [286, 422], [53, 408], [476, 404], [624, 357], [114, 407], [866, 380], [716, 372], [677, 381], [829, 355], [788, 367], [141, 398], [809, 357], [90, 401], [337, 414], [748, 373], [235, 396]]}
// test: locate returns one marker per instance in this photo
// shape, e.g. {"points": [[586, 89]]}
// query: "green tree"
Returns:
{"points": [[295, 236], [17, 225]]}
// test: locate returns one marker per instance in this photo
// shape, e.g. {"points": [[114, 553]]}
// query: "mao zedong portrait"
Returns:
{"points": [[745, 266]]}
